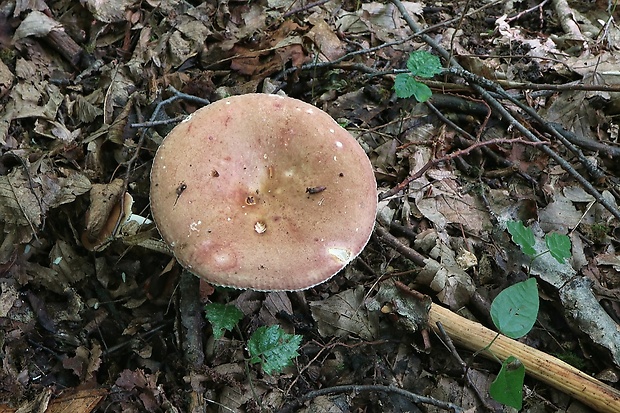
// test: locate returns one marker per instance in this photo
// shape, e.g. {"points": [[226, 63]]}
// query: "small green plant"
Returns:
{"points": [[597, 231], [223, 317], [514, 313], [514, 310], [558, 245], [273, 348], [420, 64], [270, 346], [506, 388]]}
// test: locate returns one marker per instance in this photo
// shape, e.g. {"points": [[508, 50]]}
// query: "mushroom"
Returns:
{"points": [[263, 192]]}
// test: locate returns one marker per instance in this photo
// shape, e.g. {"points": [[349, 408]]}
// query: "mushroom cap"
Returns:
{"points": [[263, 192]]}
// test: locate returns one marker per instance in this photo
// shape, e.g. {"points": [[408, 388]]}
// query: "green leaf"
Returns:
{"points": [[423, 64], [421, 92], [273, 348], [515, 309], [522, 236], [222, 317], [403, 85], [406, 86], [559, 246], [507, 388]]}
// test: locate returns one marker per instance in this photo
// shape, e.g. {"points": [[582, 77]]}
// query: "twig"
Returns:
{"points": [[176, 96], [508, 117], [303, 369], [360, 67], [565, 16], [542, 366], [590, 167], [405, 251], [153, 123], [192, 324], [354, 388], [303, 8], [548, 151], [590, 144], [469, 140], [338, 63], [129, 164], [144, 336], [447, 341], [518, 15], [451, 156], [560, 87]]}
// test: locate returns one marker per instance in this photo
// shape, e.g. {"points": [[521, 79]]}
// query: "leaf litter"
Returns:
{"points": [[83, 306]]}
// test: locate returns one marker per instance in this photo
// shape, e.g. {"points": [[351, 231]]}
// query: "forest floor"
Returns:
{"points": [[521, 127]]}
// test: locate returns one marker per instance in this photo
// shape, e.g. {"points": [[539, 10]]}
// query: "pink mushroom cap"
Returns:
{"points": [[263, 192]]}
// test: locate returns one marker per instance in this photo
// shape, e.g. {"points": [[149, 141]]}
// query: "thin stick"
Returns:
{"points": [[449, 157], [540, 365], [354, 388], [508, 117]]}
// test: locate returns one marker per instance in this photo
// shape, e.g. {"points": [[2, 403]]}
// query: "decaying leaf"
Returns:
{"points": [[442, 273], [36, 24], [104, 199], [344, 314], [7, 298], [85, 362], [34, 97], [448, 206], [454, 286], [413, 313], [108, 11], [329, 46], [21, 205], [58, 191], [70, 265]]}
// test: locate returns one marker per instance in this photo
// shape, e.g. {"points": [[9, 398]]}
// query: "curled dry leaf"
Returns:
{"points": [[110, 207]]}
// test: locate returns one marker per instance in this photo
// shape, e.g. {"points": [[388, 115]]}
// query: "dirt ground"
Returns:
{"points": [[97, 315]]}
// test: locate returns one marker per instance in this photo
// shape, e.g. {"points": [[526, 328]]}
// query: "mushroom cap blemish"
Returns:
{"points": [[247, 162]]}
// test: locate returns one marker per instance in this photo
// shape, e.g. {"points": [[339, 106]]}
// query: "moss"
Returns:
{"points": [[572, 359]]}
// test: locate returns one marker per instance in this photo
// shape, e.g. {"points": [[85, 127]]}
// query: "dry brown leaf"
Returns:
{"points": [[146, 385], [87, 108], [83, 401], [446, 205], [344, 314], [26, 100], [36, 24], [413, 313], [6, 79], [85, 362], [108, 11], [8, 296], [328, 46], [103, 198], [70, 265], [58, 191], [274, 303], [24, 5], [19, 204]]}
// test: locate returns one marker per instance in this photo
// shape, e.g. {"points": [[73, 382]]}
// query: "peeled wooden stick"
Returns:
{"points": [[542, 366]]}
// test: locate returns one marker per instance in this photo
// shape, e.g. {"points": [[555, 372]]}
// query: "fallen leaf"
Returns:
{"points": [[344, 314]]}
